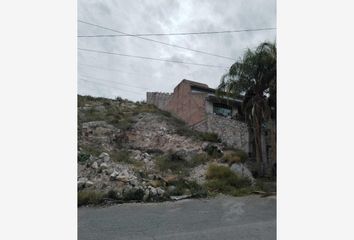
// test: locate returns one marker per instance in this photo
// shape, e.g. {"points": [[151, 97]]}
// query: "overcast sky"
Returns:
{"points": [[111, 76]]}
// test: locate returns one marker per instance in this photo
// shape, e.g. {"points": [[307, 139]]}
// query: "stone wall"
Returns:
{"points": [[232, 132], [158, 99]]}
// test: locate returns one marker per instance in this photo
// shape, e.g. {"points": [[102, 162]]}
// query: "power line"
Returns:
{"points": [[178, 34], [120, 83], [152, 40], [149, 58], [110, 86], [114, 70]]}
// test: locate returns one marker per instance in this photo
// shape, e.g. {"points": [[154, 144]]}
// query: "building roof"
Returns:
{"points": [[202, 87]]}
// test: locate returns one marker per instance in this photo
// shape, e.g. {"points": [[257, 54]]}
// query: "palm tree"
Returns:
{"points": [[253, 78]]}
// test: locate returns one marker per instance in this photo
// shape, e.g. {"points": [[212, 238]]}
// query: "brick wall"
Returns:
{"points": [[186, 105]]}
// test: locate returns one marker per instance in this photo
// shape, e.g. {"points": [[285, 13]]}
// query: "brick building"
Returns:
{"points": [[200, 108]]}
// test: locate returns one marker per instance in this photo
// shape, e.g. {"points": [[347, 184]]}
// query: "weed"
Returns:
{"points": [[235, 156], [210, 137], [90, 197], [190, 187], [199, 159], [83, 157], [133, 194], [170, 161], [222, 179], [213, 151], [121, 156]]}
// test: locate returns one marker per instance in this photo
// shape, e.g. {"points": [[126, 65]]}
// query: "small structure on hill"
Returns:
{"points": [[200, 107]]}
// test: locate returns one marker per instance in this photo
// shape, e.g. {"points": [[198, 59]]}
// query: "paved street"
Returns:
{"points": [[219, 218]]}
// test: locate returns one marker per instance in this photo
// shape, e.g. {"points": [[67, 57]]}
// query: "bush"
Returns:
{"points": [[185, 131], [235, 156], [176, 163], [192, 187], [222, 179], [171, 161], [213, 151], [210, 137], [90, 197], [112, 194], [83, 157], [199, 159], [133, 194], [121, 156]]}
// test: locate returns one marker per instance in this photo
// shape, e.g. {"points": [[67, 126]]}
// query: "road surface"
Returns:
{"points": [[218, 218]]}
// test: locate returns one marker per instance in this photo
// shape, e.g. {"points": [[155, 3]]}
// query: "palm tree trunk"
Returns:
{"points": [[272, 160], [258, 146]]}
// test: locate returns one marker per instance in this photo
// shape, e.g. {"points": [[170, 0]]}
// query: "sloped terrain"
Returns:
{"points": [[134, 152]]}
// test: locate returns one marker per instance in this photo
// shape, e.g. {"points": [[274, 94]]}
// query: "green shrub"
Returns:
{"points": [[235, 156], [121, 156], [185, 131], [188, 187], [83, 157], [112, 194], [210, 137], [90, 197], [222, 179], [93, 150], [199, 159], [133, 194], [124, 124], [172, 162], [213, 151]]}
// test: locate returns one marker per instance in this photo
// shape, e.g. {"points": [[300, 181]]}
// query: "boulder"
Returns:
{"points": [[104, 156], [113, 175], [81, 183], [171, 189], [88, 184], [241, 170], [104, 165], [94, 165], [160, 191]]}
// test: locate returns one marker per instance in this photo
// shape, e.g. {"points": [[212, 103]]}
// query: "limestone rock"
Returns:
{"points": [[241, 170], [104, 156], [94, 165]]}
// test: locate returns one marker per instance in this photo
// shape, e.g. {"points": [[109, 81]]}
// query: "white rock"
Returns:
{"points": [[104, 156], [241, 170], [160, 191], [114, 175], [94, 165], [176, 198], [153, 191], [88, 184], [104, 165]]}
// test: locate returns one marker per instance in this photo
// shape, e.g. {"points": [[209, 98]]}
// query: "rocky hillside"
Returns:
{"points": [[134, 152]]}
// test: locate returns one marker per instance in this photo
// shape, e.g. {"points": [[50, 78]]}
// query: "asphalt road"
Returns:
{"points": [[219, 218]]}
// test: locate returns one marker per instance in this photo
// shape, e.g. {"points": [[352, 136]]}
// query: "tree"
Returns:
{"points": [[253, 78]]}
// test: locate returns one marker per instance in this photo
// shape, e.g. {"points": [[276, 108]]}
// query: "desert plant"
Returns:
{"points": [[121, 156], [235, 156], [210, 137], [221, 179], [83, 157], [172, 162], [199, 159], [213, 151], [90, 197]]}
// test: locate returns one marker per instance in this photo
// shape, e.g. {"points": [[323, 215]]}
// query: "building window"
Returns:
{"points": [[222, 110]]}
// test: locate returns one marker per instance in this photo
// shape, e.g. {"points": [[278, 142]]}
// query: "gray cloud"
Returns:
{"points": [[144, 16]]}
